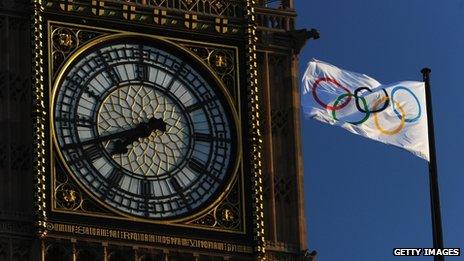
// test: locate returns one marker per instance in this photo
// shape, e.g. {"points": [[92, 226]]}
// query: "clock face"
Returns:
{"points": [[143, 128]]}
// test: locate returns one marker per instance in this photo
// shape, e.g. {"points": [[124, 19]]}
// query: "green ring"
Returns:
{"points": [[366, 108]]}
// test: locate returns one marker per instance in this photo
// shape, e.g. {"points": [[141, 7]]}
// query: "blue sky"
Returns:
{"points": [[364, 198]]}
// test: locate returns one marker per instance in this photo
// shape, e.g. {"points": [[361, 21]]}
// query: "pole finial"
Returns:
{"points": [[426, 70], [426, 75]]}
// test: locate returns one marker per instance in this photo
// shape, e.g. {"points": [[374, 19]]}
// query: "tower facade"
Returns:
{"points": [[16, 142], [150, 130], [278, 49]]}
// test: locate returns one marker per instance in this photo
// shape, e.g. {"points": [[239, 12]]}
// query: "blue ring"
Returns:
{"points": [[413, 95]]}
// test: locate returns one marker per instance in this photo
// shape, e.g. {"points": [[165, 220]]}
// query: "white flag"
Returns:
{"points": [[394, 114]]}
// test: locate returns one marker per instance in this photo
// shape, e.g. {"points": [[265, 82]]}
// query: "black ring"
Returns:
{"points": [[356, 97]]}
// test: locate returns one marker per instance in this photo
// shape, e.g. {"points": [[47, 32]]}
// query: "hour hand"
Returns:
{"points": [[118, 147], [142, 130]]}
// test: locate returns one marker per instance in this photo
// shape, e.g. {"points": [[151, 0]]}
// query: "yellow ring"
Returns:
{"points": [[394, 131]]}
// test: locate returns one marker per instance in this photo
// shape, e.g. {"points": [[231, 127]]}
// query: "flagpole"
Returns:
{"points": [[433, 176]]}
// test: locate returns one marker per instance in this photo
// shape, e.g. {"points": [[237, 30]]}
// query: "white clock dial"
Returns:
{"points": [[142, 130]]}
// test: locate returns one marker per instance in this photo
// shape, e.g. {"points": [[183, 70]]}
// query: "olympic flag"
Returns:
{"points": [[394, 114]]}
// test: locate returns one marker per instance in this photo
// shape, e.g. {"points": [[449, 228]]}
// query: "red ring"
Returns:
{"points": [[330, 107]]}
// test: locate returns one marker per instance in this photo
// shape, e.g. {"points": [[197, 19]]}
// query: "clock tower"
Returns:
{"points": [[150, 130]]}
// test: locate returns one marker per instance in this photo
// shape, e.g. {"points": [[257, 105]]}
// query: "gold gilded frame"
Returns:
{"points": [[54, 87], [40, 153], [256, 135]]}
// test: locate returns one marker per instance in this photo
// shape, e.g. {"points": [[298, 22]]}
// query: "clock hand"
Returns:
{"points": [[112, 136], [141, 130]]}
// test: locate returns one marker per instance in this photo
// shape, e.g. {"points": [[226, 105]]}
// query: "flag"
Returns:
{"points": [[394, 114]]}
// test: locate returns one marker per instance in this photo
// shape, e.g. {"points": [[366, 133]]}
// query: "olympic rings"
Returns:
{"points": [[419, 113], [394, 131], [385, 104], [366, 117], [386, 100], [329, 107]]}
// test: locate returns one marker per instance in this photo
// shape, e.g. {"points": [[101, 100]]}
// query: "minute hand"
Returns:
{"points": [[141, 130]]}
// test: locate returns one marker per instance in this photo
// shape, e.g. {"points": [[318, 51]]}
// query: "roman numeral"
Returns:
{"points": [[83, 121], [175, 184], [141, 72], [178, 188], [115, 178], [200, 168], [118, 54], [93, 152], [198, 105], [102, 59], [196, 166], [206, 137], [91, 93], [80, 121], [113, 76], [145, 188], [141, 69], [203, 137], [179, 70], [75, 159], [75, 82]]}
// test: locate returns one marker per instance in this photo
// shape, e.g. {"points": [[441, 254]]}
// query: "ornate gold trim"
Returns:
{"points": [[193, 15], [218, 82], [150, 240], [256, 129], [40, 118], [63, 41]]}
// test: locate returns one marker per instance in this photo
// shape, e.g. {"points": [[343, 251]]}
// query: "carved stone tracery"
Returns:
{"points": [[195, 15], [283, 188], [222, 61], [4, 249], [70, 197], [65, 40], [21, 249], [16, 217], [3, 156], [20, 157], [280, 121], [227, 215], [57, 251]]}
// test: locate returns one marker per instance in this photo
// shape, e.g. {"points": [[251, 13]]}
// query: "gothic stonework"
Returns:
{"points": [[278, 47], [65, 40], [193, 15], [16, 198], [249, 46]]}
